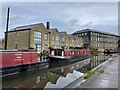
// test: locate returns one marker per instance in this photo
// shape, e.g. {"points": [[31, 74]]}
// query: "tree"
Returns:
{"points": [[50, 48]]}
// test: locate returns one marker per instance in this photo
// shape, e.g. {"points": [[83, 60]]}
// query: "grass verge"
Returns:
{"points": [[92, 72], [112, 58]]}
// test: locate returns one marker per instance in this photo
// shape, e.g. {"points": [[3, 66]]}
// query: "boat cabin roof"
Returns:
{"points": [[66, 49], [15, 50]]}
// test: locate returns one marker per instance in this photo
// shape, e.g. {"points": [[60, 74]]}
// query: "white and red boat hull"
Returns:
{"points": [[68, 54]]}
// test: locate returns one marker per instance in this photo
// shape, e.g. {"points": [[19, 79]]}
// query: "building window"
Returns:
{"points": [[37, 34], [72, 43], [45, 46], [63, 39], [57, 42], [45, 36], [38, 41], [85, 33], [57, 38], [98, 39], [91, 38], [53, 46], [37, 47], [91, 33], [58, 46], [17, 34], [53, 37]]}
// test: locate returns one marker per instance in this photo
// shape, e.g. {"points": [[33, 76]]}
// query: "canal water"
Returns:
{"points": [[57, 75]]}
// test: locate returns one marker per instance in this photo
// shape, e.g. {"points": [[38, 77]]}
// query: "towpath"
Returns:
{"points": [[106, 79]]}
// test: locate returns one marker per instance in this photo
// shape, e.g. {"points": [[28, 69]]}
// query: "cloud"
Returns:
{"points": [[65, 16]]}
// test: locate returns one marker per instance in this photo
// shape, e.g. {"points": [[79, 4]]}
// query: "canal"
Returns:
{"points": [[57, 75]]}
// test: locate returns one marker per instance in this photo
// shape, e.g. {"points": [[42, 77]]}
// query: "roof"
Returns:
{"points": [[63, 32], [52, 29], [25, 27], [86, 30], [69, 35], [2, 39]]}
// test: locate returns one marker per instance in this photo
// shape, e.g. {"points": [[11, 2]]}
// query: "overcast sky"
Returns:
{"points": [[69, 17]]}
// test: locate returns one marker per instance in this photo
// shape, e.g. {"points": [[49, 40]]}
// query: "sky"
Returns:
{"points": [[66, 16]]}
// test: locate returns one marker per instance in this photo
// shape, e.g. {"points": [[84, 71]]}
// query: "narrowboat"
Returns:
{"points": [[67, 54], [111, 51], [15, 61]]}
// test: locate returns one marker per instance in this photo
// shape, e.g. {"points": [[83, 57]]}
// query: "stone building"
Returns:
{"points": [[54, 38], [34, 36], [75, 41], [40, 38], [97, 40], [119, 42], [71, 41], [64, 40], [2, 41], [78, 41]]}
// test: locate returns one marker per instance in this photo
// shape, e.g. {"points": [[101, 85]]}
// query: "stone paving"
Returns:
{"points": [[107, 79]]}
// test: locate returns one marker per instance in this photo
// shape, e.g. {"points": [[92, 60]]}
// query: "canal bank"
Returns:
{"points": [[106, 79]]}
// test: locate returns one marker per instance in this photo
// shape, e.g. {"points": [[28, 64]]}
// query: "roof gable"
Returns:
{"points": [[26, 27], [53, 30]]}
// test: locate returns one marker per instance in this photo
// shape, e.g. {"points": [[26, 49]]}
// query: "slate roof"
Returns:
{"points": [[52, 29], [62, 32], [25, 27], [86, 30]]}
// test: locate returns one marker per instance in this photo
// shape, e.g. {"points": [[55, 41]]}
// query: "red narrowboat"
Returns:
{"points": [[14, 61], [65, 54], [111, 51]]}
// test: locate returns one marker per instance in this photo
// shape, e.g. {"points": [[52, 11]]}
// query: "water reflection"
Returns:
{"points": [[62, 81], [57, 75], [96, 59]]}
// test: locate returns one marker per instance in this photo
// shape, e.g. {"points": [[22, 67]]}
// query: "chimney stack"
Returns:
{"points": [[48, 25]]}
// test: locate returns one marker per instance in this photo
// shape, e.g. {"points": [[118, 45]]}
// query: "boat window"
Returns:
{"points": [[55, 52], [81, 52], [52, 53], [73, 52], [59, 53], [76, 52], [84, 52], [66, 52]]}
